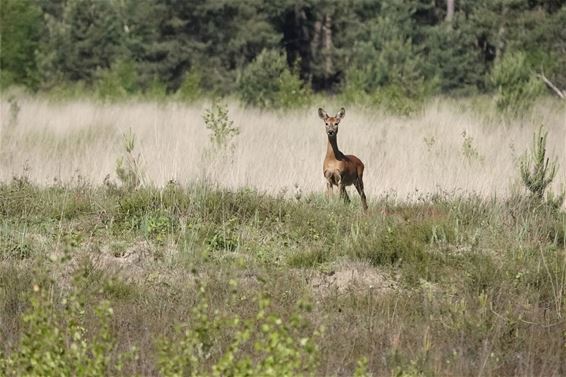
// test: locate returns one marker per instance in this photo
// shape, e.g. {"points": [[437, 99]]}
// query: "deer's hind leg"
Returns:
{"points": [[343, 192], [359, 184]]}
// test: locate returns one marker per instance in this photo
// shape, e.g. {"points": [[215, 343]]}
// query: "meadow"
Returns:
{"points": [[233, 263], [452, 145]]}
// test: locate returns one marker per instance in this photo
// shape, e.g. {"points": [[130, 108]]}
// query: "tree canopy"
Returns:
{"points": [[332, 46]]}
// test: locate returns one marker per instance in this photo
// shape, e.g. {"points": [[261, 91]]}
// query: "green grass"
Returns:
{"points": [[201, 280]]}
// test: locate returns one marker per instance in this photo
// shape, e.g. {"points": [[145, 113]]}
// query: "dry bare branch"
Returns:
{"points": [[560, 93]]}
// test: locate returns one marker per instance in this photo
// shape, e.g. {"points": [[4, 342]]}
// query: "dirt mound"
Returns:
{"points": [[352, 276]]}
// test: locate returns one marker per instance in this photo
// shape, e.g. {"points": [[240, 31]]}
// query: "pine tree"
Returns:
{"points": [[89, 36]]}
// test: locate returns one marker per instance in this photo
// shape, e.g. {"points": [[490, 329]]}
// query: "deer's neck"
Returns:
{"points": [[332, 151]]}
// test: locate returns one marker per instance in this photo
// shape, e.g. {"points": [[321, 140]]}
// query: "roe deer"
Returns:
{"points": [[340, 169]]}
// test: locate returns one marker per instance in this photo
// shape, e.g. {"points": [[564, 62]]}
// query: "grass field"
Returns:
{"points": [[452, 146], [453, 271]]}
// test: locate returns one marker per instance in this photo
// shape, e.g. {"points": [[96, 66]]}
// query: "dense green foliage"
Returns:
{"points": [[370, 50], [516, 85], [20, 31]]}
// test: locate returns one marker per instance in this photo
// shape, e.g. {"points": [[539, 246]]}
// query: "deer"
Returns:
{"points": [[339, 169]]}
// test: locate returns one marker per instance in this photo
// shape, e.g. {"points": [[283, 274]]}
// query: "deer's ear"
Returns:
{"points": [[341, 113], [322, 114]]}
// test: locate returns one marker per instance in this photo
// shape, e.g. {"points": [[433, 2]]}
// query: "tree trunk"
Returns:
{"points": [[327, 45], [449, 10], [316, 37]]}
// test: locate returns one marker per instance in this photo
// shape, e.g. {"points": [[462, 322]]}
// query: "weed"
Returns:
{"points": [[14, 112], [310, 258], [469, 150], [429, 142], [221, 127]]}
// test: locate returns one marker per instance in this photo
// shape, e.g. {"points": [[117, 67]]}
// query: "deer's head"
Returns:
{"points": [[331, 123]]}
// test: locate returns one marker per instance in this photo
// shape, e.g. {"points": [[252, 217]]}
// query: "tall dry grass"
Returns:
{"points": [[453, 145]]}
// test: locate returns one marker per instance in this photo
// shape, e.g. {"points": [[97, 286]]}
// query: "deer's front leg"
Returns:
{"points": [[330, 181], [328, 189]]}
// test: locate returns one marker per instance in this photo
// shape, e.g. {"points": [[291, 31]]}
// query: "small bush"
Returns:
{"points": [[392, 245], [267, 82], [15, 245], [136, 204], [223, 239], [157, 226]]}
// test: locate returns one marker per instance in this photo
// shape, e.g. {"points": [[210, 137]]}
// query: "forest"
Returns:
{"points": [[264, 52]]}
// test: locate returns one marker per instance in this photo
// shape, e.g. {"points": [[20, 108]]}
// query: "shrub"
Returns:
{"points": [[516, 84], [267, 82]]}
